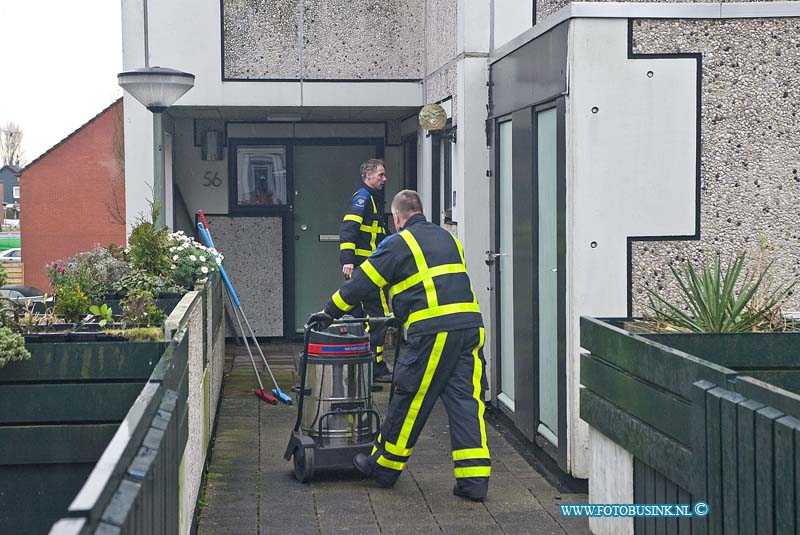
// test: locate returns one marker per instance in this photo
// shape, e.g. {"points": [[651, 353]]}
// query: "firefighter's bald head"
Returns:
{"points": [[405, 204]]}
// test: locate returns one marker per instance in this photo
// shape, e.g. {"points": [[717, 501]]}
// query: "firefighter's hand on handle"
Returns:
{"points": [[321, 320], [347, 270], [389, 321]]}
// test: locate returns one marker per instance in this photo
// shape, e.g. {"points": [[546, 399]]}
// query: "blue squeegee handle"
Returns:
{"points": [[207, 238]]}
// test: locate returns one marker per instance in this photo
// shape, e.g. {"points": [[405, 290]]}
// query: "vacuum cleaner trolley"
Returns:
{"points": [[335, 416]]}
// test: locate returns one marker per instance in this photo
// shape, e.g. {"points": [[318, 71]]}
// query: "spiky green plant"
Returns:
{"points": [[719, 300]]}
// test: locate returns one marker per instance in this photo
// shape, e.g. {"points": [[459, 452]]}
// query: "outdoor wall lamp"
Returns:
{"points": [[157, 88]]}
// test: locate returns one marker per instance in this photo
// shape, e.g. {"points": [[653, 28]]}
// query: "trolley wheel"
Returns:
{"points": [[303, 464]]}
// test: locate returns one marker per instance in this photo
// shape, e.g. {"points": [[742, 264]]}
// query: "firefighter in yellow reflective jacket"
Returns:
{"points": [[362, 231], [423, 268]]}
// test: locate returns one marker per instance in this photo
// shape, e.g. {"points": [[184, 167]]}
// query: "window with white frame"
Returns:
{"points": [[16, 192]]}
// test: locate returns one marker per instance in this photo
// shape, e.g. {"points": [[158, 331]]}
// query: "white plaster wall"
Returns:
{"points": [[509, 19], [610, 481], [138, 125], [470, 162], [424, 172], [473, 30], [190, 173], [631, 171]]}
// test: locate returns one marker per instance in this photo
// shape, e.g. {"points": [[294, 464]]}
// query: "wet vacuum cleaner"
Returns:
{"points": [[335, 416]]}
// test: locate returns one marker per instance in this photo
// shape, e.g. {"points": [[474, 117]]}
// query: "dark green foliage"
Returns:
{"points": [[71, 303], [141, 281], [149, 245], [94, 271], [3, 275], [12, 347], [139, 308]]}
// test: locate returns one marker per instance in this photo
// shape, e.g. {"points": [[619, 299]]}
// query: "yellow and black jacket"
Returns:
{"points": [[424, 270], [362, 228]]}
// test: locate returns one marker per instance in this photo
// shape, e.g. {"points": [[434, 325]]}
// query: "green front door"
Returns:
{"points": [[325, 178]]}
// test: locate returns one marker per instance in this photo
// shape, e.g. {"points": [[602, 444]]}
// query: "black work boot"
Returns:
{"points": [[364, 464], [464, 494], [381, 373]]}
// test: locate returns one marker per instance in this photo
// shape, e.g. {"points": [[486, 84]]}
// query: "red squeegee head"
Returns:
{"points": [[266, 396]]}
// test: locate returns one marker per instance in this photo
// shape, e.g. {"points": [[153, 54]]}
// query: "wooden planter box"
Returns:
{"points": [[707, 417], [58, 412]]}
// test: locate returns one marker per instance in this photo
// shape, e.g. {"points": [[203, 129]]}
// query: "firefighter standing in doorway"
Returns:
{"points": [[362, 231], [423, 267]]}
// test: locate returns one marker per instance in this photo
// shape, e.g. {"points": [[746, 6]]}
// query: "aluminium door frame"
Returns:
{"points": [[526, 414], [494, 274], [559, 453]]}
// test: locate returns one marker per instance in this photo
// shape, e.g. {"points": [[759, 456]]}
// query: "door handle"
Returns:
{"points": [[491, 256]]}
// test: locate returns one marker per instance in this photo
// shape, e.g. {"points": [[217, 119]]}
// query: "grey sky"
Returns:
{"points": [[58, 66]]}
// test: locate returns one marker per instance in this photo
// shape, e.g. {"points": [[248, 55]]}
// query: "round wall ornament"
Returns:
{"points": [[432, 117]]}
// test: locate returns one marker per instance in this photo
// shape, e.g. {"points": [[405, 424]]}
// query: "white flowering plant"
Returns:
{"points": [[191, 261]]}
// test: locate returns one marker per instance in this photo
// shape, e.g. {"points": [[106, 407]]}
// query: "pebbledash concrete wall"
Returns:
{"points": [[73, 196], [750, 146], [323, 39]]}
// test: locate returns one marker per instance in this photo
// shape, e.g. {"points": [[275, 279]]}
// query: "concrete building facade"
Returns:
{"points": [[588, 145]]}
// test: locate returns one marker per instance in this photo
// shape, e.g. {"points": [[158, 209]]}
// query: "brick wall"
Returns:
{"points": [[73, 196]]}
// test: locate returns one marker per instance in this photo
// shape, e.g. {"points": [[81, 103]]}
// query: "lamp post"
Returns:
{"points": [[157, 88]]}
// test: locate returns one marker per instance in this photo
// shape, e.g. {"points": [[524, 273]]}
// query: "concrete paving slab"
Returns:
{"points": [[252, 489]]}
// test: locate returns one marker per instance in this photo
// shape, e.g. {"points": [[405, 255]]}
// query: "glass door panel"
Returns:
{"points": [[546, 170], [505, 267]]}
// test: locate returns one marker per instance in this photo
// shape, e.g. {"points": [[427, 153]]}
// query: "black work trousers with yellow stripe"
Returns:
{"points": [[375, 307], [450, 366]]}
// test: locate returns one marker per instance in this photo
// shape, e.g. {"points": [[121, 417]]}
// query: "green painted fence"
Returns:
{"points": [[94, 435], [700, 422]]}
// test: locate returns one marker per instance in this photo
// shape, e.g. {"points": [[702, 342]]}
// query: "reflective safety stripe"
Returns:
{"points": [[374, 450], [460, 249], [396, 450], [353, 217], [375, 227], [384, 304], [471, 453], [416, 403], [416, 278], [473, 471], [422, 266], [461, 254], [341, 303], [477, 371], [394, 465], [376, 278], [444, 310], [378, 357], [350, 246], [374, 231]]}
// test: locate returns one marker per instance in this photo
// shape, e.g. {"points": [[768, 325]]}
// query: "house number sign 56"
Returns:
{"points": [[212, 179]]}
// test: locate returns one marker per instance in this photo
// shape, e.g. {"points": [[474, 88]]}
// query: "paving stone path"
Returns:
{"points": [[252, 490]]}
